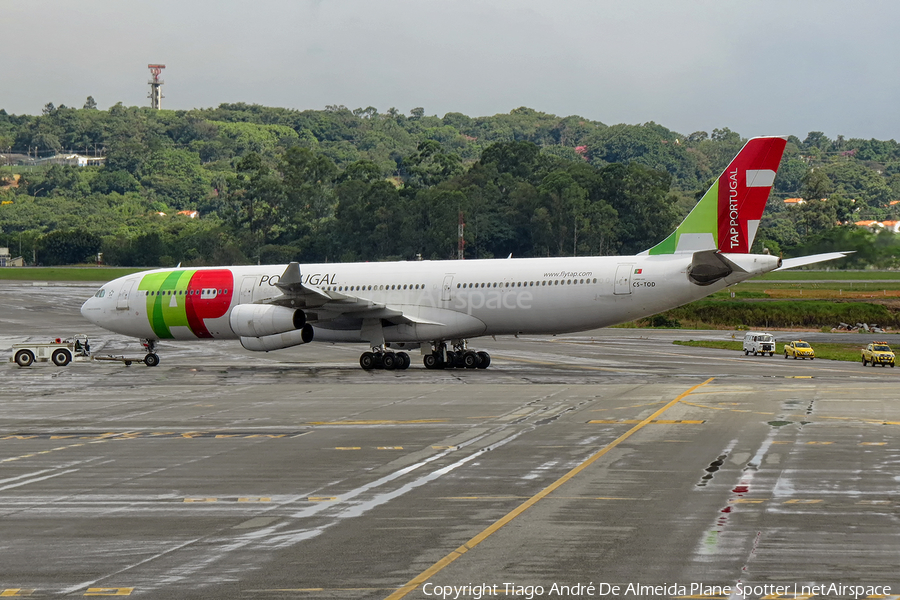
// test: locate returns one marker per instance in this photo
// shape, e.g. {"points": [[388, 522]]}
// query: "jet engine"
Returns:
{"points": [[257, 320], [304, 335]]}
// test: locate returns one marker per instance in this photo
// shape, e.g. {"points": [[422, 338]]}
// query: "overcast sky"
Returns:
{"points": [[756, 66]]}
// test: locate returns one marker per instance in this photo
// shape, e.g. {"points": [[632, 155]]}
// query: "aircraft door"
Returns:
{"points": [[623, 280], [122, 301], [247, 285], [446, 288]]}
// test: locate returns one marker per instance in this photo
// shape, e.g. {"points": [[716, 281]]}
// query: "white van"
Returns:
{"points": [[759, 343]]}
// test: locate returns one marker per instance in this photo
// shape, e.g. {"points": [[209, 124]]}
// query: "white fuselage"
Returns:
{"points": [[445, 299]]}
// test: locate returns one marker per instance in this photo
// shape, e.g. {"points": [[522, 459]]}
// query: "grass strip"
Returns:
{"points": [[821, 275], [845, 352], [789, 314], [101, 274]]}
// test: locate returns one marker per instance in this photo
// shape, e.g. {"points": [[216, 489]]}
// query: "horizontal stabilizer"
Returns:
{"points": [[790, 263]]}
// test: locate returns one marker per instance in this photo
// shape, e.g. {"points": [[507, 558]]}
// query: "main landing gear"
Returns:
{"points": [[380, 358], [460, 357], [152, 358]]}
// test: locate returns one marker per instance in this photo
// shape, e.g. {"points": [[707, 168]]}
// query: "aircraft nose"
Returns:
{"points": [[88, 311]]}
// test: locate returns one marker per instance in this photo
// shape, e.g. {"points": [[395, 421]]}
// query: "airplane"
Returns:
{"points": [[438, 306]]}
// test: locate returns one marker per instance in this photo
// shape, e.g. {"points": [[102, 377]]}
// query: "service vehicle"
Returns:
{"points": [[759, 343], [60, 351], [878, 353], [799, 349]]}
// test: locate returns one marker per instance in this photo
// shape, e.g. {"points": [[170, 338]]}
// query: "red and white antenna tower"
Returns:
{"points": [[156, 86]]}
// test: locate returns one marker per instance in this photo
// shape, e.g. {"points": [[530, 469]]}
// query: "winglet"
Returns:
{"points": [[728, 215]]}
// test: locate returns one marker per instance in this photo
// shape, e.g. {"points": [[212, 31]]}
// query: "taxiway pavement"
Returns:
{"points": [[609, 457]]}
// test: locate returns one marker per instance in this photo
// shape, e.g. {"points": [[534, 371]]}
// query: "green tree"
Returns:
{"points": [[815, 186], [175, 176], [562, 208], [66, 247], [643, 203], [107, 182]]}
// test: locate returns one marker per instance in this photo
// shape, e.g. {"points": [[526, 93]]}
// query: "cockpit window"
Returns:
{"points": [[100, 293]]}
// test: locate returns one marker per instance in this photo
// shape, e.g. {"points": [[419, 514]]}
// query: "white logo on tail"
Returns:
{"points": [[733, 208], [760, 178]]}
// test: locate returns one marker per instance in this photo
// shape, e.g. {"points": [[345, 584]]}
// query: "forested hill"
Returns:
{"points": [[273, 184]]}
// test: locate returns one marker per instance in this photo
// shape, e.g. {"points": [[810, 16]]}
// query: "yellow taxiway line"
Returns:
{"points": [[437, 567]]}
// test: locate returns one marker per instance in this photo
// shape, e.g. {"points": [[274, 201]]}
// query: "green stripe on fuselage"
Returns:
{"points": [[166, 310]]}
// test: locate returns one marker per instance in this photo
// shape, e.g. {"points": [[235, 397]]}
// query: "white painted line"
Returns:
{"points": [[15, 485]]}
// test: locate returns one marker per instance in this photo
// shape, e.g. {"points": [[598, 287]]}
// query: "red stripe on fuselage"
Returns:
{"points": [[199, 308]]}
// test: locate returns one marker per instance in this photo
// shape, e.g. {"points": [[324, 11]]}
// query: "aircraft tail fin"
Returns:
{"points": [[727, 217]]}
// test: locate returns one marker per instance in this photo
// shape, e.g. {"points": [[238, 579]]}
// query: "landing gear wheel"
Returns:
{"points": [[61, 358], [24, 358], [430, 361], [127, 363], [151, 360], [389, 361], [485, 361], [470, 360], [404, 361], [367, 361]]}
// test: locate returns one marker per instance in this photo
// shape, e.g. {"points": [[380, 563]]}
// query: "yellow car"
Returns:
{"points": [[878, 353], [799, 349]]}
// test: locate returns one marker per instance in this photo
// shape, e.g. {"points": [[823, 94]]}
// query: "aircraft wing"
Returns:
{"points": [[790, 263], [325, 306]]}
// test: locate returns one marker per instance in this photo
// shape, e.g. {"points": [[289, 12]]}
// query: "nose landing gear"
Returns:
{"points": [[152, 359]]}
